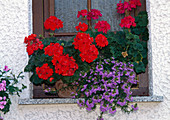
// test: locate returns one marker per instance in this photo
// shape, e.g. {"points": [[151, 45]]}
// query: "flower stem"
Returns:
{"points": [[90, 25], [101, 114]]}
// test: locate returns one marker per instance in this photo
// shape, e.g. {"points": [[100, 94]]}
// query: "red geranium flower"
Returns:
{"points": [[82, 12], [120, 8], [64, 65], [93, 14], [89, 54], [101, 40], [127, 22], [53, 49], [33, 44], [51, 79], [82, 40], [134, 3], [83, 27], [127, 6], [44, 72], [138, 3], [30, 38], [52, 23], [102, 26]]}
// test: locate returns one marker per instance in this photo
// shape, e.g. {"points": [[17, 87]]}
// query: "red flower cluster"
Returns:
{"points": [[83, 27], [53, 49], [102, 26], [83, 42], [127, 22], [93, 14], [44, 72], [121, 7], [64, 65], [30, 38], [52, 23], [134, 3], [82, 13], [127, 6], [101, 40], [89, 54], [33, 44]]}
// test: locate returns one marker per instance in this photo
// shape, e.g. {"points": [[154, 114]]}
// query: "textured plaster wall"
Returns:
{"points": [[15, 24]]}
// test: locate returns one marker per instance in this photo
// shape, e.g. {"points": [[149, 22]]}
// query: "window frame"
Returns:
{"points": [[42, 9]]}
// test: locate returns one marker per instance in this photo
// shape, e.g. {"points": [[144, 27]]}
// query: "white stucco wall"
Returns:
{"points": [[15, 25]]}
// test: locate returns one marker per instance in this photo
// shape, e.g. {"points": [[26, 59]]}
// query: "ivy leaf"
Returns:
{"points": [[35, 79], [138, 57], [139, 67], [138, 46]]}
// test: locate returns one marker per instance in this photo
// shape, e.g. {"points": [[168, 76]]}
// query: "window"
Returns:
{"points": [[67, 10]]}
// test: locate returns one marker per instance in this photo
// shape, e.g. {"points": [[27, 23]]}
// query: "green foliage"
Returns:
{"points": [[11, 87], [134, 41], [131, 41]]}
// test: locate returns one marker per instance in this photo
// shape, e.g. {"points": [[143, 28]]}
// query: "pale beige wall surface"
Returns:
{"points": [[15, 24]]}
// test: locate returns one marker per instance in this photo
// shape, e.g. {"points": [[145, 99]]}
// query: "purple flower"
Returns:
{"points": [[114, 92], [6, 68], [87, 93], [89, 105], [3, 102], [89, 108], [3, 86], [129, 98], [1, 118], [81, 103], [95, 99], [109, 75], [74, 95], [100, 118], [85, 74], [112, 110], [84, 87], [106, 61], [134, 107], [99, 99], [111, 99], [99, 68], [104, 108], [95, 74], [121, 103], [106, 96], [126, 88], [89, 81]]}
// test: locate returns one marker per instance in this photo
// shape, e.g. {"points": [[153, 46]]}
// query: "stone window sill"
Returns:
{"points": [[72, 101]]}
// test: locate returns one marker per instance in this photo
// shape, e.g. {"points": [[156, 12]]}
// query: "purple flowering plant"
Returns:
{"points": [[8, 82], [50, 91], [108, 84]]}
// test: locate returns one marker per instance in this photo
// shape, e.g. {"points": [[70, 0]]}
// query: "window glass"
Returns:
{"points": [[67, 10], [109, 13]]}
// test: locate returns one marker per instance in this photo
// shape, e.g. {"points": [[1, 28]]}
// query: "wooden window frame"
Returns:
{"points": [[42, 9]]}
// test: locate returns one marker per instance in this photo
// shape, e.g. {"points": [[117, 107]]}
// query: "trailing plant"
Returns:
{"points": [[8, 86], [108, 83], [102, 64]]}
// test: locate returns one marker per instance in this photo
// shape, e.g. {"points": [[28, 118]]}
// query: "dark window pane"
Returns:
{"points": [[108, 10], [67, 10]]}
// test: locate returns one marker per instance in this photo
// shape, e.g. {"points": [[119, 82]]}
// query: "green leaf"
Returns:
{"points": [[35, 79], [139, 67]]}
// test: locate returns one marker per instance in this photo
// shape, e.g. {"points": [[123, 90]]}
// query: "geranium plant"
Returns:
{"points": [[8, 86], [101, 64]]}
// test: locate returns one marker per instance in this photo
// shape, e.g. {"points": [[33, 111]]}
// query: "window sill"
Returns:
{"points": [[72, 101]]}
